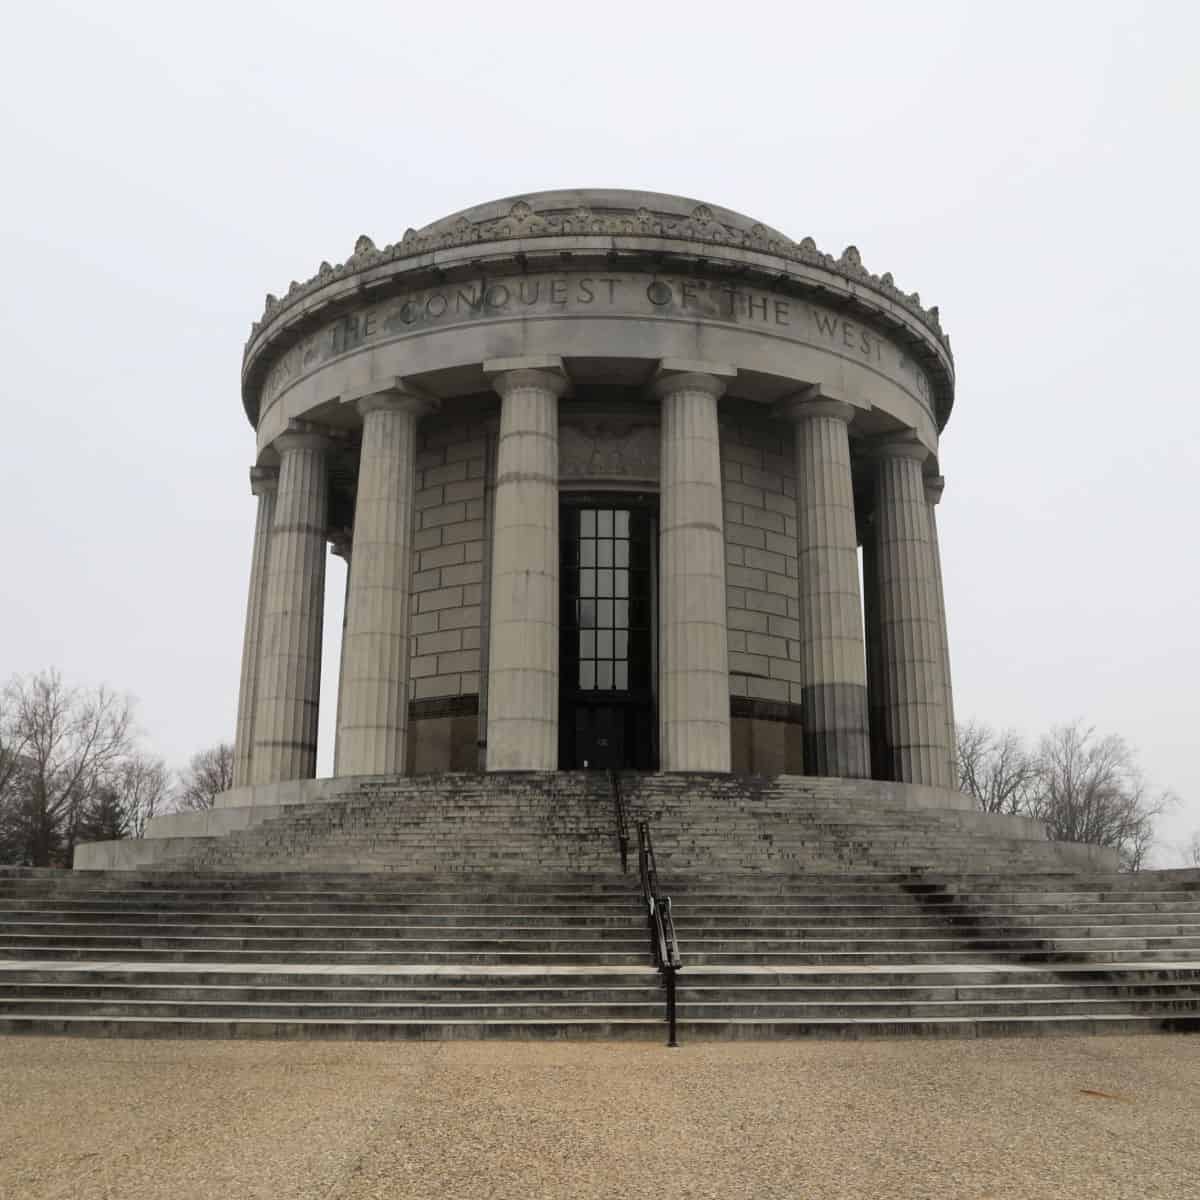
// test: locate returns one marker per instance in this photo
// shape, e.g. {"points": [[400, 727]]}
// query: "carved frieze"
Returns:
{"points": [[524, 221], [607, 448]]}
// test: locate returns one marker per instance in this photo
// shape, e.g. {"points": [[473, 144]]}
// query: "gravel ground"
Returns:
{"points": [[1066, 1118]]}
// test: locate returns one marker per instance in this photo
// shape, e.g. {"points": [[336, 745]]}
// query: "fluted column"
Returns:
{"points": [[522, 695], [833, 669], [373, 712], [693, 712], [873, 637], [289, 677], [340, 546], [934, 486], [263, 482], [914, 717]]}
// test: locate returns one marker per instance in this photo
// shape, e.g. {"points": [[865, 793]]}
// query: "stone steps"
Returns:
{"points": [[564, 822], [463, 906], [985, 956]]}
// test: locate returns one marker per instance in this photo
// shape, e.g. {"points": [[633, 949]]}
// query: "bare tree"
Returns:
{"points": [[208, 773], [994, 768], [103, 818], [143, 785], [60, 745], [1091, 789]]}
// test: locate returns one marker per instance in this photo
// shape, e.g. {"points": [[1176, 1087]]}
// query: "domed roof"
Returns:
{"points": [[590, 210]]}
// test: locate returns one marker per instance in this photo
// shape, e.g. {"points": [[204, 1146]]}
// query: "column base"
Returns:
{"points": [[836, 740]]}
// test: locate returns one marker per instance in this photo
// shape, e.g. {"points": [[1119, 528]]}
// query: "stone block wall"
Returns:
{"points": [[448, 622], [450, 569], [758, 464]]}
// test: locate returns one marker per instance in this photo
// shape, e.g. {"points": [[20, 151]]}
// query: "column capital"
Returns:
{"points": [[684, 374], [340, 543], [809, 403], [934, 485], [263, 479], [394, 393], [543, 371], [304, 435], [897, 445]]}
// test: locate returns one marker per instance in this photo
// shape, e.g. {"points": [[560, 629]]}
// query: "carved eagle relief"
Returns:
{"points": [[608, 449]]}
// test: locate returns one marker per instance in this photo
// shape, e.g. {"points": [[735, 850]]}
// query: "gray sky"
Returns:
{"points": [[1030, 168]]}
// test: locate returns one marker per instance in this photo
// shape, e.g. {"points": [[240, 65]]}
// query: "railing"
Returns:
{"points": [[663, 942], [614, 786]]}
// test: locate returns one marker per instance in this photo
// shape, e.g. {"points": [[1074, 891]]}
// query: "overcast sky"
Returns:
{"points": [[1031, 169]]}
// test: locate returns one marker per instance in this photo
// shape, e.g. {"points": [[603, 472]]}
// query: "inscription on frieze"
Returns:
{"points": [[582, 295]]}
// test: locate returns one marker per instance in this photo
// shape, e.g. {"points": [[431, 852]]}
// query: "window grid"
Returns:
{"points": [[606, 618]]}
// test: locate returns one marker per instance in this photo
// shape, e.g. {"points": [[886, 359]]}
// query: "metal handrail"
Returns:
{"points": [[663, 943], [614, 786]]}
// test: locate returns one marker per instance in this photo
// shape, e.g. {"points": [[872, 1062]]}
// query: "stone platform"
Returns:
{"points": [[564, 821]]}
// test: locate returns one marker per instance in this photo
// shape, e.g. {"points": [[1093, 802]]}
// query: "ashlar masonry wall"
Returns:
{"points": [[450, 569], [758, 463]]}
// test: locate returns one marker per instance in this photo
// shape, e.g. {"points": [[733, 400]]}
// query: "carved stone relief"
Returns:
{"points": [[607, 448]]}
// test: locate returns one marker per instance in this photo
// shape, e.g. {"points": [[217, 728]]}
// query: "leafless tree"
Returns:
{"points": [[60, 744], [996, 769], [1090, 789], [208, 773], [143, 785]]}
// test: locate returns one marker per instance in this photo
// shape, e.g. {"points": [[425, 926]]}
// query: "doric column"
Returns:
{"points": [[833, 669], [934, 486], [340, 546], [373, 712], [263, 482], [289, 676], [522, 695], [914, 717], [693, 715]]}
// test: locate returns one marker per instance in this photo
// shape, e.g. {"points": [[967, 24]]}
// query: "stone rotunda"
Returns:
{"points": [[600, 465], [630, 740]]}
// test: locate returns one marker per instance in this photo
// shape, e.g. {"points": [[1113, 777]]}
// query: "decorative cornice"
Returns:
{"points": [[523, 221]]}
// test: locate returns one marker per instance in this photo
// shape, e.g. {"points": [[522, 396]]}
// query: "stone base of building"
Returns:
{"points": [[798, 823], [444, 735], [765, 737]]}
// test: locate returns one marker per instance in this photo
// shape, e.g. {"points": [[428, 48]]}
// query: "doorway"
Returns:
{"points": [[608, 625]]}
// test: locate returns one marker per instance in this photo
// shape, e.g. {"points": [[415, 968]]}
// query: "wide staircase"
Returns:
{"points": [[857, 955], [471, 906], [303, 955]]}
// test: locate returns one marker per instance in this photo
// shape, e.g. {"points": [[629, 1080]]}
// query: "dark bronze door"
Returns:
{"points": [[606, 672]]}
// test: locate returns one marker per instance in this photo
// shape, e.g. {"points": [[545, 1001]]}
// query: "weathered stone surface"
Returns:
{"points": [[934, 485], [522, 726], [373, 693], [913, 710], [832, 666], [263, 484], [289, 680], [694, 695]]}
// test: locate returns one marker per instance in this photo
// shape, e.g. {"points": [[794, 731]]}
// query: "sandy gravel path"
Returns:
{"points": [[1056, 1118]]}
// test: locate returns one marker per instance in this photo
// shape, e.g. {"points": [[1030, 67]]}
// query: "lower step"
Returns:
{"points": [[606, 1029], [865, 1027], [642, 1029]]}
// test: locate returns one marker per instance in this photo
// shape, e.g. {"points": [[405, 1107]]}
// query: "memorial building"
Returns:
{"points": [[601, 466], [643, 718]]}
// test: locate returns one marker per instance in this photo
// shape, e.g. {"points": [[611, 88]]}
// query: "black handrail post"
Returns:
{"points": [[661, 922], [669, 976]]}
